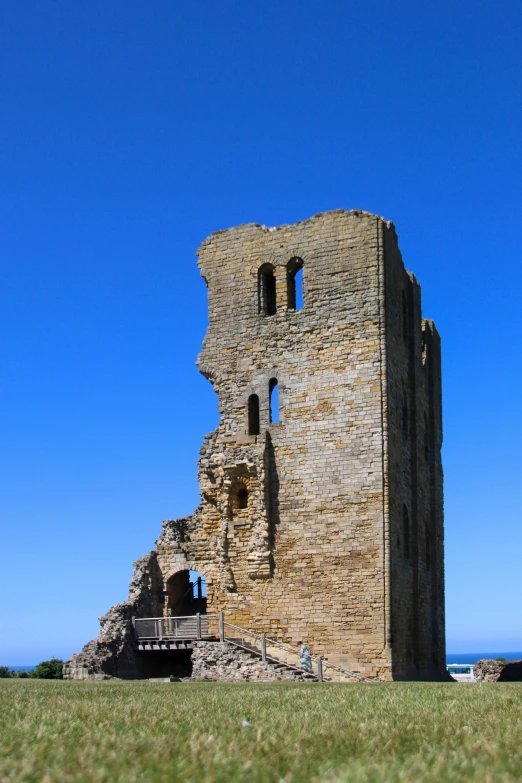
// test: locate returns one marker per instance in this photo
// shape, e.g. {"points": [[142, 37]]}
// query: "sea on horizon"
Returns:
{"points": [[474, 657]]}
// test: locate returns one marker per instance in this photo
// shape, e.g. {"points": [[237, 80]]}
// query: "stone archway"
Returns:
{"points": [[185, 594]]}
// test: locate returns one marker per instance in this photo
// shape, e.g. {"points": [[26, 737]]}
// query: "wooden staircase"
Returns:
{"points": [[164, 633]]}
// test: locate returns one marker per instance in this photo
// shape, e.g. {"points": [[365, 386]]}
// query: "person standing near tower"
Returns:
{"points": [[305, 659]]}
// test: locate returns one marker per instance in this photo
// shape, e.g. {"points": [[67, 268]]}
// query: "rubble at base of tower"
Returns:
{"points": [[321, 514]]}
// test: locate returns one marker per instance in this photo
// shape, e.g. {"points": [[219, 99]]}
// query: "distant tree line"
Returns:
{"points": [[46, 670]]}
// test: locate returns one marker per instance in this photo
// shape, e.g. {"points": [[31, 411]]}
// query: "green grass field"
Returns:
{"points": [[141, 731]]}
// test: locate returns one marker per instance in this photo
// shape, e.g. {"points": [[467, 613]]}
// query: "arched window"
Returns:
{"points": [[186, 593], [238, 496], [267, 290], [294, 283], [253, 415], [273, 391], [406, 531]]}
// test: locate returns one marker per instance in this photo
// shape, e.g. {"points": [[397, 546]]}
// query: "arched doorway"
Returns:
{"points": [[186, 594]]}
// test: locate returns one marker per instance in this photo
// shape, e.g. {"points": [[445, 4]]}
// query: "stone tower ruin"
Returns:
{"points": [[321, 514]]}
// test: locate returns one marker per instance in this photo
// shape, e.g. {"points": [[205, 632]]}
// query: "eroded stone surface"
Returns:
{"points": [[327, 524], [112, 654], [490, 670], [223, 662]]}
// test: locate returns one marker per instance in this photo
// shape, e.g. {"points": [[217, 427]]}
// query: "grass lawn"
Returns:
{"points": [[130, 731]]}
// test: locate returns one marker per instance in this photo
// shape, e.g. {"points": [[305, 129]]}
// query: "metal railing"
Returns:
{"points": [[198, 626], [284, 654], [209, 626]]}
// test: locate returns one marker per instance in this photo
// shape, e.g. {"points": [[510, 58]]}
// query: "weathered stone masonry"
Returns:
{"points": [[327, 524]]}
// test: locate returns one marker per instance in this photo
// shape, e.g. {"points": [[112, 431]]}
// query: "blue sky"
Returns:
{"points": [[130, 131]]}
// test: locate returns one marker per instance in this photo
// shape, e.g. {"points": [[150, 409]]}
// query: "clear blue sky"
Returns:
{"points": [[129, 132]]}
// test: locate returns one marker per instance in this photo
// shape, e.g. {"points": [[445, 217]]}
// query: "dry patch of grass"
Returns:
{"points": [[140, 731]]}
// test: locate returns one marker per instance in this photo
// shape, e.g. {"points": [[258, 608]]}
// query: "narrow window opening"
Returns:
{"points": [[238, 497], [253, 415], [426, 440], [267, 290], [405, 325], [294, 282], [274, 400], [404, 417], [406, 531], [242, 498], [298, 282], [428, 548], [424, 347]]}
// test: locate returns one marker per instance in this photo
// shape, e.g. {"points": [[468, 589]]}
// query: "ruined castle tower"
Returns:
{"points": [[321, 511]]}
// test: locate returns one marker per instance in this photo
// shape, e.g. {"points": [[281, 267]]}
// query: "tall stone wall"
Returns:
{"points": [[414, 471], [300, 530], [323, 540]]}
